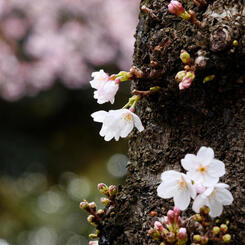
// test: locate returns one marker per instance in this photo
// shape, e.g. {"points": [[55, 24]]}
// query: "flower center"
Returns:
{"points": [[202, 169], [182, 183], [128, 117]]}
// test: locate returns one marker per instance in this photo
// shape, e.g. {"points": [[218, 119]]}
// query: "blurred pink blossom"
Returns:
{"points": [[44, 41]]}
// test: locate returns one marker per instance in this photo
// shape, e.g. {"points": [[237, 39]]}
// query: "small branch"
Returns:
{"points": [[150, 12], [195, 20]]}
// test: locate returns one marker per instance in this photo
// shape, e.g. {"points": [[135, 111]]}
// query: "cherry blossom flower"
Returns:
{"points": [[106, 87], [203, 168], [117, 123], [178, 186], [214, 197]]}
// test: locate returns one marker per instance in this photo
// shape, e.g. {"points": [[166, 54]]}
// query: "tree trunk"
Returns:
{"points": [[180, 122]]}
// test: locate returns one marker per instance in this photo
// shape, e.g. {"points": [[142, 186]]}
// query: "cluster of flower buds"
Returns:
{"points": [[170, 230], [110, 193], [175, 7], [95, 215], [185, 77], [204, 230]]}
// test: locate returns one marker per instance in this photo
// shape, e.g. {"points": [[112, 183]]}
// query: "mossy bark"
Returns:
{"points": [[180, 122]]}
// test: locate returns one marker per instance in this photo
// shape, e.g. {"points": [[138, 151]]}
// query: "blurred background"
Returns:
{"points": [[51, 154]]}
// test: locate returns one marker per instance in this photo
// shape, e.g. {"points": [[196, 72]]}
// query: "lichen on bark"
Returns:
{"points": [[180, 122]]}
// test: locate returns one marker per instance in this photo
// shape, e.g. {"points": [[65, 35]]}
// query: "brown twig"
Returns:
{"points": [[149, 12], [195, 20]]}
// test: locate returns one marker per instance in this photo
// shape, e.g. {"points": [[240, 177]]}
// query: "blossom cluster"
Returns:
{"points": [[115, 123], [200, 183], [42, 41]]}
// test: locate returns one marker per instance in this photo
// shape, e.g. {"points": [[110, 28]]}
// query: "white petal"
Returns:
{"points": [[216, 207], [167, 190], [189, 162], [128, 127], [222, 185], [216, 168], [208, 191], [199, 202], [138, 123], [99, 116], [209, 180], [195, 175], [182, 199], [170, 175], [223, 196], [206, 153]]}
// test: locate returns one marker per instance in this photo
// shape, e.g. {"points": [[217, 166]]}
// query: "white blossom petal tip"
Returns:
{"points": [[117, 123]]}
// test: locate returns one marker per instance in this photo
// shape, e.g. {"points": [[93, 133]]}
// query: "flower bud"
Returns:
{"points": [[177, 211], [235, 43], [197, 217], [216, 230], [197, 238], [105, 201], [187, 80], [92, 206], [204, 240], [155, 88], [226, 238], [175, 7], [180, 75], [185, 57], [182, 234], [92, 236], [84, 205], [112, 190], [92, 220], [154, 234], [224, 228], [93, 243], [170, 237], [158, 225], [204, 210], [166, 220], [171, 216], [100, 212], [208, 78], [103, 189]]}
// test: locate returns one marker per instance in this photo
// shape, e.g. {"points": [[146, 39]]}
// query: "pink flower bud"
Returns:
{"points": [[177, 211], [93, 243], [175, 7], [105, 201], [180, 75], [112, 190], [166, 221], [199, 188], [103, 189], [182, 234], [171, 216], [84, 205], [187, 80], [158, 225]]}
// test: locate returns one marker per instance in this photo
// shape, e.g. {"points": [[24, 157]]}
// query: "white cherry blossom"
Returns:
{"points": [[106, 87], [117, 123], [203, 168], [178, 186], [214, 197]]}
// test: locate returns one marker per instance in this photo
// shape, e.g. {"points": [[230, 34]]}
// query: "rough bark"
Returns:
{"points": [[180, 122]]}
